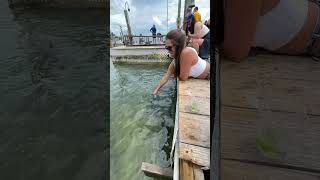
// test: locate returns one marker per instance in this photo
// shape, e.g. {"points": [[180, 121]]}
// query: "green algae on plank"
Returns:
{"points": [[194, 107], [267, 144]]}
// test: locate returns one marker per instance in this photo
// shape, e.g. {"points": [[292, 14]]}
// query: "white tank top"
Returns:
{"points": [[198, 68], [278, 26], [204, 30]]}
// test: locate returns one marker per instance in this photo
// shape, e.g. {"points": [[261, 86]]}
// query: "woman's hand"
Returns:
{"points": [[155, 92], [164, 79]]}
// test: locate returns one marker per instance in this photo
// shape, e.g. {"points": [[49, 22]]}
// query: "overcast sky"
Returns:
{"points": [[144, 13]]}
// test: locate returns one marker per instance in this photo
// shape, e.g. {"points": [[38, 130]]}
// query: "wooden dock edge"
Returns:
{"points": [[175, 143], [184, 169], [156, 170]]}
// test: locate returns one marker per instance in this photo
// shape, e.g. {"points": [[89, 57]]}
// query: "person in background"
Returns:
{"points": [[189, 22], [186, 62], [153, 30], [198, 37], [207, 23], [141, 39], [160, 37], [197, 15]]}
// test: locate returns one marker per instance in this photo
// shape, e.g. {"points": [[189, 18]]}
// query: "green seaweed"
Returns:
{"points": [[268, 145], [194, 107]]}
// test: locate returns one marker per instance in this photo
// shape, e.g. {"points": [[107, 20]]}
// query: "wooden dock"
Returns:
{"points": [[270, 118], [192, 130]]}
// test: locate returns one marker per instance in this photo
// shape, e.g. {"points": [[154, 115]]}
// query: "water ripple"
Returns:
{"points": [[53, 82], [141, 125]]}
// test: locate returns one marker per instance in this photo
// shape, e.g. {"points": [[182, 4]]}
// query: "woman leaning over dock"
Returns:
{"points": [[186, 62]]}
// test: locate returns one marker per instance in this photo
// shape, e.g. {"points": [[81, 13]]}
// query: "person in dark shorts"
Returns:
{"points": [[153, 30]]}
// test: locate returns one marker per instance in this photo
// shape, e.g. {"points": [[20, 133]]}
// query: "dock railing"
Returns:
{"points": [[144, 40]]}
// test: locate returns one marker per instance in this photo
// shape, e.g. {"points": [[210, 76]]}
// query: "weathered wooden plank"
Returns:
{"points": [[196, 154], [231, 170], [155, 170], [190, 171], [282, 83], [275, 94], [186, 170], [195, 87], [275, 137], [276, 66], [196, 105], [194, 129], [197, 172]]}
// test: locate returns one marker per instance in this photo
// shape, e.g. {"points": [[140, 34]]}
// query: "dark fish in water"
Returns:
{"points": [[46, 64]]}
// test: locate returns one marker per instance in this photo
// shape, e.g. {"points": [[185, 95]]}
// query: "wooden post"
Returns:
{"points": [[190, 171], [179, 14], [121, 34], [167, 16], [128, 25], [186, 171]]}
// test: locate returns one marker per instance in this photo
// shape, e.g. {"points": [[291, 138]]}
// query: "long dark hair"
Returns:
{"points": [[178, 38], [192, 22]]}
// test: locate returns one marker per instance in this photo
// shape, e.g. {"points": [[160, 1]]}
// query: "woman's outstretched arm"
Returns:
{"points": [[164, 79]]}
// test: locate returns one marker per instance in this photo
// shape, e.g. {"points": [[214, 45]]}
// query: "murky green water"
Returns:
{"points": [[53, 79], [141, 126]]}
